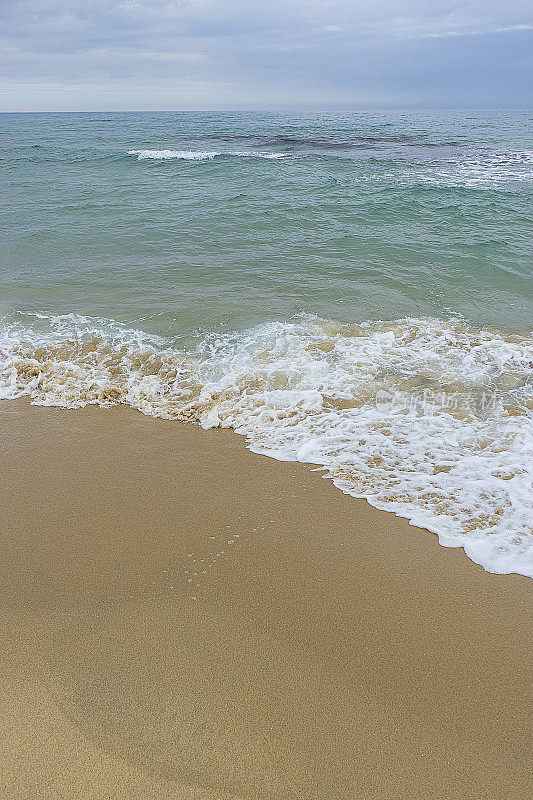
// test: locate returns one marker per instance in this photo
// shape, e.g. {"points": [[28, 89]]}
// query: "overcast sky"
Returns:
{"points": [[185, 54]]}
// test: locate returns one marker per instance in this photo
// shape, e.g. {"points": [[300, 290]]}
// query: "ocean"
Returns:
{"points": [[351, 290]]}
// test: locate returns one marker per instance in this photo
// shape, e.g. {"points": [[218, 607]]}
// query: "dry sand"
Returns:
{"points": [[333, 652]]}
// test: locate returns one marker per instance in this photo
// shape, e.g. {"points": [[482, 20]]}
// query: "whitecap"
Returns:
{"points": [[199, 155]]}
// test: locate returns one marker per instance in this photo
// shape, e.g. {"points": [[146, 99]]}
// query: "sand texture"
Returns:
{"points": [[181, 618]]}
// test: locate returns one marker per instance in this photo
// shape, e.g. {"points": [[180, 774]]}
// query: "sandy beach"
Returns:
{"points": [[182, 618]]}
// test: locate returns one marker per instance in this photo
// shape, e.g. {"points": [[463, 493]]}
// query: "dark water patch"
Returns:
{"points": [[329, 142]]}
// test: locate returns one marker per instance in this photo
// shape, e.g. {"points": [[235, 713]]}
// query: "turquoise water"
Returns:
{"points": [[366, 216], [352, 290]]}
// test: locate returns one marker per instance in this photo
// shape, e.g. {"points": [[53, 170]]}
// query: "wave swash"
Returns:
{"points": [[430, 419]]}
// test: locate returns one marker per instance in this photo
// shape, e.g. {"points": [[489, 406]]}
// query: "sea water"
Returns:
{"points": [[350, 290]]}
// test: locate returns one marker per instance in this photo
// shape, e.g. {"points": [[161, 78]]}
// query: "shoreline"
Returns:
{"points": [[330, 650], [360, 400]]}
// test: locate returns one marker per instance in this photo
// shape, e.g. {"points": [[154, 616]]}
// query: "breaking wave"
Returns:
{"points": [[430, 419], [476, 170], [198, 155]]}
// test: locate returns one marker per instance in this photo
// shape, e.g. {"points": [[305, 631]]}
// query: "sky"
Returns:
{"points": [[76, 55]]}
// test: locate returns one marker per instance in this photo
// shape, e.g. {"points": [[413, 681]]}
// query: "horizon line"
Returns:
{"points": [[269, 110]]}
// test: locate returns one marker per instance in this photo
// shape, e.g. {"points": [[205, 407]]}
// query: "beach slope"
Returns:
{"points": [[183, 618]]}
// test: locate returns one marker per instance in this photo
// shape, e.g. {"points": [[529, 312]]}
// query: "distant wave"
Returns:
{"points": [[198, 155], [473, 169]]}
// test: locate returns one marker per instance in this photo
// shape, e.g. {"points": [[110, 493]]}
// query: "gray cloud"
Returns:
{"points": [[245, 53]]}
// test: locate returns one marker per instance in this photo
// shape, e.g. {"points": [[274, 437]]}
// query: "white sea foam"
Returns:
{"points": [[161, 155], [429, 419], [486, 170], [476, 171], [198, 155]]}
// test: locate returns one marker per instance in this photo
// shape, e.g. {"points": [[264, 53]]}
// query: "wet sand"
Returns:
{"points": [[323, 650]]}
